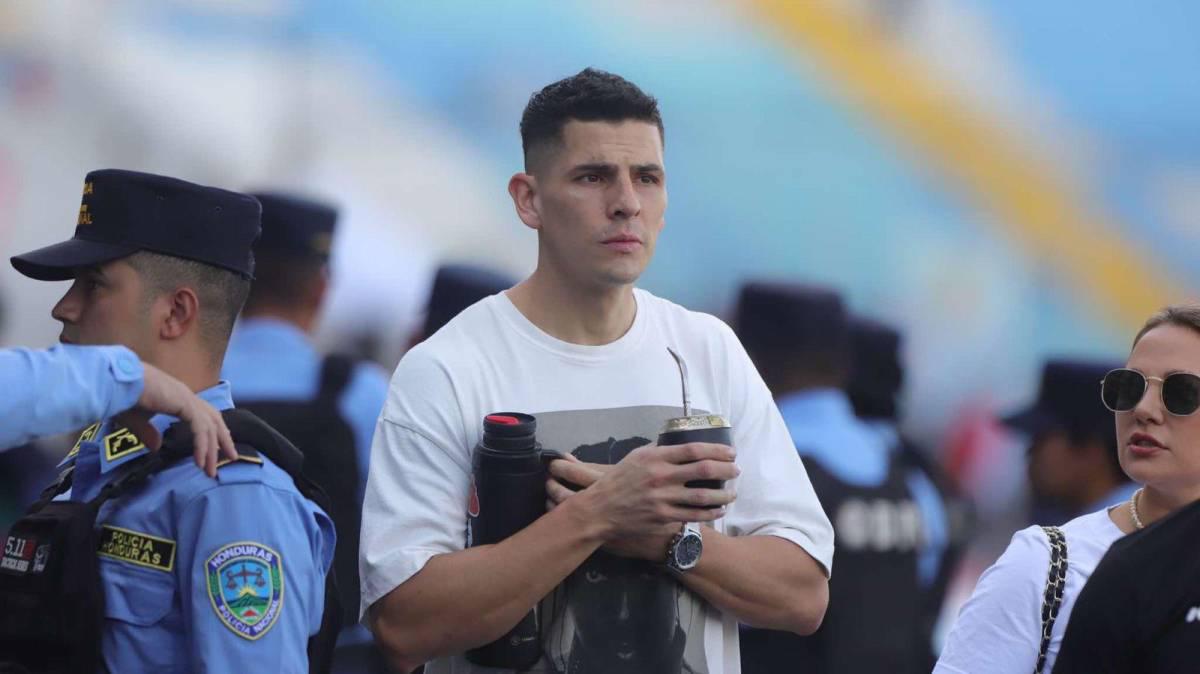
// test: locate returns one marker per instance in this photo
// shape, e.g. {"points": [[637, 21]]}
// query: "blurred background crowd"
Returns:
{"points": [[1002, 182]]}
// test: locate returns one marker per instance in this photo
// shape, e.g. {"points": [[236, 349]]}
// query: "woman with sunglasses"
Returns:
{"points": [[1154, 398]]}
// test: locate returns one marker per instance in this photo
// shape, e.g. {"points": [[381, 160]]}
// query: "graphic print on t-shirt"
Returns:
{"points": [[614, 614]]}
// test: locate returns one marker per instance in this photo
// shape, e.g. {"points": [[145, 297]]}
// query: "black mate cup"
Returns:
{"points": [[698, 428]]}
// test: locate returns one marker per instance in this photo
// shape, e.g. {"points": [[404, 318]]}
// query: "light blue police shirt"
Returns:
{"points": [[824, 427], [48, 391], [203, 574], [271, 359]]}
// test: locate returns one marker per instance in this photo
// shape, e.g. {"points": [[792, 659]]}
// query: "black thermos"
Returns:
{"points": [[508, 492]]}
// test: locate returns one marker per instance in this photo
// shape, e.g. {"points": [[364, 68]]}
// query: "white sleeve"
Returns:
{"points": [[775, 497], [416, 497], [999, 629]]}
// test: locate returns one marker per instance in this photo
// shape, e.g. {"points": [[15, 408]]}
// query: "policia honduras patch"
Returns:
{"points": [[245, 586], [135, 547]]}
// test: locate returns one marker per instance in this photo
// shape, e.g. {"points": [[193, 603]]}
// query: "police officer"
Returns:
{"points": [[876, 380], [54, 390], [326, 405], [1073, 464], [198, 573], [799, 338]]}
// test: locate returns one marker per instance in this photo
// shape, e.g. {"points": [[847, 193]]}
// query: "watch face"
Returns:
{"points": [[687, 552]]}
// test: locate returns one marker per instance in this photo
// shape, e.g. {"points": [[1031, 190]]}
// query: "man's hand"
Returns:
{"points": [[162, 393], [642, 499]]}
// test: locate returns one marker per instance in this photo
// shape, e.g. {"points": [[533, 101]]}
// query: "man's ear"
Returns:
{"points": [[181, 315], [316, 289], [522, 187]]}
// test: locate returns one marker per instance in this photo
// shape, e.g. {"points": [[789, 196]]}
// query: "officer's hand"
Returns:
{"points": [[644, 494], [165, 394]]}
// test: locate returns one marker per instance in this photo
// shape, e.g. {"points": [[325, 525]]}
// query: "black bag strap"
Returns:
{"points": [[335, 376], [1056, 582]]}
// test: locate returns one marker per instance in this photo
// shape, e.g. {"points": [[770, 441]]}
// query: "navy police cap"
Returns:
{"points": [[123, 212], [458, 286], [1068, 398], [296, 225], [791, 316]]}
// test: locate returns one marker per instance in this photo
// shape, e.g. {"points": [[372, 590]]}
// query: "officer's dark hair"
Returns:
{"points": [[282, 279], [589, 96], [221, 292], [1183, 315]]}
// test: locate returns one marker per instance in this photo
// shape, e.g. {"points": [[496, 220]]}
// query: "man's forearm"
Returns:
{"points": [[763, 581], [468, 598]]}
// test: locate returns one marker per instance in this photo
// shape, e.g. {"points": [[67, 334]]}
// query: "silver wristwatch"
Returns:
{"points": [[684, 551]]}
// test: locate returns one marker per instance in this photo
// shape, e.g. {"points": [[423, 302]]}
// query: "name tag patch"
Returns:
{"points": [[138, 548]]}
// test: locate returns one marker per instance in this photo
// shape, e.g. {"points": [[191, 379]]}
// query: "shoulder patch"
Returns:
{"points": [[135, 547], [87, 435], [119, 443], [242, 458], [245, 587]]}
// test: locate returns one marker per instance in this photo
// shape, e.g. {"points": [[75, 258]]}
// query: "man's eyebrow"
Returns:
{"points": [[93, 270], [606, 168], [595, 167]]}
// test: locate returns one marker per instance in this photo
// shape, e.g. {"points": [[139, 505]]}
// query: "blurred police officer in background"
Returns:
{"points": [[1073, 464], [326, 405], [876, 381], [197, 573], [456, 287], [799, 337]]}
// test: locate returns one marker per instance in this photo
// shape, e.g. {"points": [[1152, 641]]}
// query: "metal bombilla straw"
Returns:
{"points": [[683, 378]]}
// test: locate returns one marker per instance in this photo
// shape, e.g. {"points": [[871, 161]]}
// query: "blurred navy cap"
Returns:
{"points": [[296, 225], [876, 375], [1068, 398], [790, 316], [458, 286], [123, 212]]}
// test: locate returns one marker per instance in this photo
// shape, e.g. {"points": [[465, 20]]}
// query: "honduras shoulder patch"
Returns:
{"points": [[245, 586]]}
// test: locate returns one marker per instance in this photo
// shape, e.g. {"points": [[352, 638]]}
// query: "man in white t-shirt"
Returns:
{"points": [[580, 348]]}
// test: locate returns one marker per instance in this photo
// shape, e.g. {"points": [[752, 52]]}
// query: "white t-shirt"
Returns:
{"points": [[598, 402], [999, 629]]}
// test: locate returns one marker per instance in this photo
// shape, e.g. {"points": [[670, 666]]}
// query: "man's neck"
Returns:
{"points": [[304, 319], [194, 369], [589, 317], [1093, 491]]}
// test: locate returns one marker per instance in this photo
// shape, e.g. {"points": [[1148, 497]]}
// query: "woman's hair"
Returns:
{"points": [[1183, 315]]}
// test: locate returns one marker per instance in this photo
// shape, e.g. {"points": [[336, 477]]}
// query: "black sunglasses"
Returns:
{"points": [[1122, 390]]}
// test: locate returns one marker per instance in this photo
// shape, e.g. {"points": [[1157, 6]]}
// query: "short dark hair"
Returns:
{"points": [[589, 96], [221, 292], [281, 279]]}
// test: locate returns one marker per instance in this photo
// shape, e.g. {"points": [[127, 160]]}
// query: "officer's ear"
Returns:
{"points": [[182, 311], [316, 289]]}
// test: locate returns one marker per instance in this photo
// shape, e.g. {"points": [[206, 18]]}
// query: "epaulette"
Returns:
{"points": [[246, 454]]}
